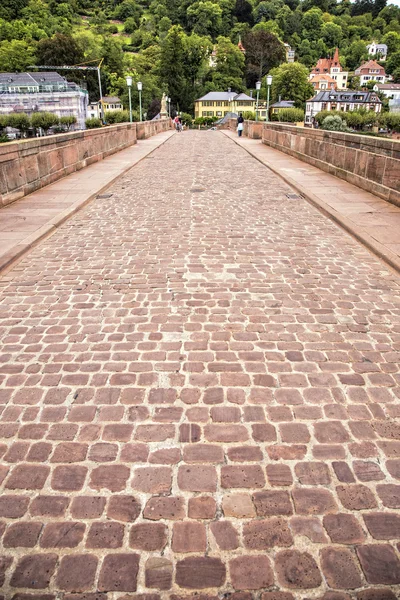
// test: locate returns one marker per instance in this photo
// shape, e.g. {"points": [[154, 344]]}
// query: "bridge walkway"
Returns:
{"points": [[200, 395]]}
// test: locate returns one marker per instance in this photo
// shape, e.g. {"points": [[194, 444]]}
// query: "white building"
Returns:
{"points": [[370, 71], [378, 51], [331, 66], [344, 101], [392, 92], [110, 104], [43, 92], [290, 52]]}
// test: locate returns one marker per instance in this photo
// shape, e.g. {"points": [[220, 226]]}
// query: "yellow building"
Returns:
{"points": [[218, 104]]}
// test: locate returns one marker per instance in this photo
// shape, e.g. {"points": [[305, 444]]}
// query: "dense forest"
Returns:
{"points": [[167, 43]]}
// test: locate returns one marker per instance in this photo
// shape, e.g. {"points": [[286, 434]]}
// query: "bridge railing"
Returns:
{"points": [[371, 163], [28, 165]]}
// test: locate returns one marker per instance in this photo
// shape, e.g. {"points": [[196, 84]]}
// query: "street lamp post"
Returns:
{"points": [[258, 87], [129, 84], [269, 82], [168, 99], [139, 87]]}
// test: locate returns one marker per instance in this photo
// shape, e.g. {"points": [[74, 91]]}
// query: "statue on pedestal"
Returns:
{"points": [[164, 111]]}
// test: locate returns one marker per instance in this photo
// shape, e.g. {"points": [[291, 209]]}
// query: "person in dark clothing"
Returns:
{"points": [[240, 124]]}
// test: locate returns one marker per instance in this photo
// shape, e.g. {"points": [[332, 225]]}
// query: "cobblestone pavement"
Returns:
{"points": [[200, 393]]}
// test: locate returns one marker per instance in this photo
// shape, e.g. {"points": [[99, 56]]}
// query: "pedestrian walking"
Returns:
{"points": [[240, 124]]}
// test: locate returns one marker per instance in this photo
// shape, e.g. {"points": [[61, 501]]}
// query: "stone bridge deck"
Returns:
{"points": [[199, 387]]}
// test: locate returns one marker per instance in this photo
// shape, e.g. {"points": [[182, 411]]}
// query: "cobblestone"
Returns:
{"points": [[199, 395]]}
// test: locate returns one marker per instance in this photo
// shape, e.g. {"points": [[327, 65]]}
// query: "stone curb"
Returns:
{"points": [[357, 232], [8, 259]]}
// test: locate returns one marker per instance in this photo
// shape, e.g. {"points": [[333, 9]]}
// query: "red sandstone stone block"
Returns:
{"points": [[105, 535], [340, 568], [148, 536], [389, 495], [294, 433], [158, 573], [34, 571], [343, 529], [110, 477], [123, 508], [62, 535], [69, 452], [189, 432], [310, 501], [203, 453], [76, 572], [245, 453], [272, 502], [379, 563], [383, 526], [165, 507], [225, 535], [245, 476], [189, 536], [153, 480], [294, 452], [68, 478], [87, 507], [267, 533], [331, 432], [238, 505], [202, 507], [119, 573], [197, 573], [297, 570], [154, 433], [197, 478], [13, 506], [356, 497], [279, 475], [22, 535], [27, 477], [225, 433], [251, 572], [312, 473]]}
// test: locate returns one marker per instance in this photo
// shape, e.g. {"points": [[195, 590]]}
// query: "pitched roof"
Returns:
{"points": [[369, 65], [224, 96], [31, 79], [324, 65], [387, 86], [323, 77], [283, 104], [111, 99], [345, 96]]}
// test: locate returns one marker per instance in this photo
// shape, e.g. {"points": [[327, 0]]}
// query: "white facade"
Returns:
{"points": [[110, 104], [341, 101], [290, 52], [377, 50], [370, 71], [39, 92]]}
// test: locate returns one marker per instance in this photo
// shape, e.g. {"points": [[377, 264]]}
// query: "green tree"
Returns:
{"points": [[59, 50], [44, 120], [171, 67], [230, 64], [16, 56], [68, 121], [392, 40], [312, 24], [355, 54], [19, 121], [11, 9], [205, 18], [264, 51], [290, 82], [332, 34]]}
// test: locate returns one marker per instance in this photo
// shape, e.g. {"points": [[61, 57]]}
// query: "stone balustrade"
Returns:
{"points": [[28, 165], [371, 163]]}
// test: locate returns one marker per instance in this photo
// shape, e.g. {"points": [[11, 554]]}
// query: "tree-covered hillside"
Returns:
{"points": [[167, 43]]}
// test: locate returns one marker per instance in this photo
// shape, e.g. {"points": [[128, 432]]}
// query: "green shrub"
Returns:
{"points": [[93, 123], [291, 115], [67, 122], [334, 123], [44, 120], [390, 120], [319, 117], [19, 121], [118, 116], [187, 119], [249, 115]]}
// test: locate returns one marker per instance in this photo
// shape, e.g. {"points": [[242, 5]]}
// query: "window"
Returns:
{"points": [[219, 113], [218, 104], [324, 106]]}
